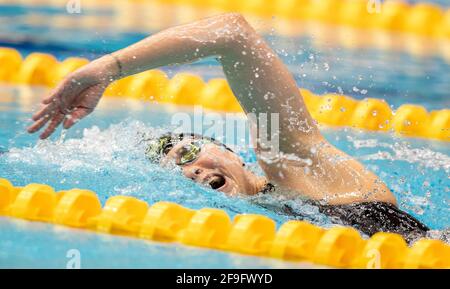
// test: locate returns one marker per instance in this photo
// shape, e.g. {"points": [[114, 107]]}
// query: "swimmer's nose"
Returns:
{"points": [[193, 172]]}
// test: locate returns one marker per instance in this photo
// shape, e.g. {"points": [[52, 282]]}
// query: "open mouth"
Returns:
{"points": [[217, 182]]}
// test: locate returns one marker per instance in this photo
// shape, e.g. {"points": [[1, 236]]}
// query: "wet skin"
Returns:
{"points": [[217, 168], [305, 163]]}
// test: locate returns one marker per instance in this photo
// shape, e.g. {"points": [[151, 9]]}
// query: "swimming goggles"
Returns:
{"points": [[187, 154], [160, 147]]}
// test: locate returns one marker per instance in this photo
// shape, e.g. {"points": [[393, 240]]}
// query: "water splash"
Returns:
{"points": [[402, 151], [112, 162]]}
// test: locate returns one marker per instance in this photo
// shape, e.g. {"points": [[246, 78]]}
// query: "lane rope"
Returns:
{"points": [[188, 89], [249, 234], [424, 19]]}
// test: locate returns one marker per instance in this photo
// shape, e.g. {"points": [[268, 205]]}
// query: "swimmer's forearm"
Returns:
{"points": [[176, 45]]}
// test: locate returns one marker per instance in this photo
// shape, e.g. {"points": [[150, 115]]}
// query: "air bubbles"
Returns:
{"points": [[269, 95]]}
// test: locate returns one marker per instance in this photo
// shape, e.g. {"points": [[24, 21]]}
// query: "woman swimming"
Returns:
{"points": [[305, 163]]}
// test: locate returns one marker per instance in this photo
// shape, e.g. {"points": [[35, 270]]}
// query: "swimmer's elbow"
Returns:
{"points": [[238, 32], [244, 31], [235, 18]]}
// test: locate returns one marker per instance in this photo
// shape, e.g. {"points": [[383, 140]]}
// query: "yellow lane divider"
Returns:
{"points": [[188, 89], [212, 228], [150, 16], [392, 15]]}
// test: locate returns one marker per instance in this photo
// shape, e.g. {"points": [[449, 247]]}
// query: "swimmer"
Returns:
{"points": [[306, 163]]}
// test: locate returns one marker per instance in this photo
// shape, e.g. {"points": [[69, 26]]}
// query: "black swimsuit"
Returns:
{"points": [[373, 217], [367, 217]]}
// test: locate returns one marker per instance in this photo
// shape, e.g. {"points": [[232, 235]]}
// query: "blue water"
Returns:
{"points": [[105, 251], [103, 153]]}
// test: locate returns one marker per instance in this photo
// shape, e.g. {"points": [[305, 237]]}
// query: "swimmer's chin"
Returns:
{"points": [[233, 190]]}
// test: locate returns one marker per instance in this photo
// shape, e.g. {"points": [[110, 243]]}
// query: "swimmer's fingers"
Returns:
{"points": [[60, 98], [37, 125], [56, 92], [88, 100], [73, 102], [45, 112], [54, 123], [77, 114]]}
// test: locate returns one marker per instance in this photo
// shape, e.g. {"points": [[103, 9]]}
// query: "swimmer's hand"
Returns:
{"points": [[74, 98]]}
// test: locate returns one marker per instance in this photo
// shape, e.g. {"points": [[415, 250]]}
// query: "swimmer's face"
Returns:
{"points": [[215, 167]]}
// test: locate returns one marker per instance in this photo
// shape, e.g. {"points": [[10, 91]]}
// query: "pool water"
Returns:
{"points": [[53, 247], [104, 152], [322, 59]]}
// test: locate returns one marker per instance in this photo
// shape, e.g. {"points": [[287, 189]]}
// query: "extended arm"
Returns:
{"points": [[256, 75], [259, 80]]}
